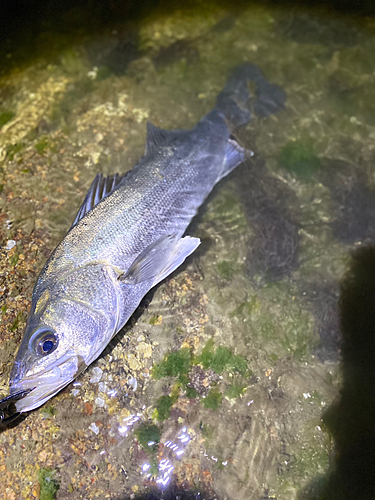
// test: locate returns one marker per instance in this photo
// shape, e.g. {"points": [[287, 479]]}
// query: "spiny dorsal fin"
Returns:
{"points": [[101, 187], [155, 137]]}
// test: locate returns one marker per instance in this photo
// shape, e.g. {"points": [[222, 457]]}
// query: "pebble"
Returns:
{"points": [[96, 375], [132, 382], [103, 387], [10, 244], [99, 402], [94, 428], [144, 349]]}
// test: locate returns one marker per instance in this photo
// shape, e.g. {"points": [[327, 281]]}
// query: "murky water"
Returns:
{"points": [[221, 379]]}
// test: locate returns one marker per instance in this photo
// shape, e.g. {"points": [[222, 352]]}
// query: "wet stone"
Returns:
{"points": [[94, 428], [10, 244], [97, 374], [100, 402], [103, 387]]}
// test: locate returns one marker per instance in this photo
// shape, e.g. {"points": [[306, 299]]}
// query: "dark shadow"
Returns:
{"points": [[34, 29], [352, 419], [13, 421], [354, 201], [321, 298], [271, 209]]}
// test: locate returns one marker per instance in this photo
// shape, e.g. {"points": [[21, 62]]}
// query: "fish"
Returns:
{"points": [[129, 235], [7, 413]]}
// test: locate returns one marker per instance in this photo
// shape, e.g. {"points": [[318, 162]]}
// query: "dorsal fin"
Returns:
{"points": [[101, 187], [155, 137]]}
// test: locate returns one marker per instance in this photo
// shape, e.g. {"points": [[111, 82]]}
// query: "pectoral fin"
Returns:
{"points": [[160, 259]]}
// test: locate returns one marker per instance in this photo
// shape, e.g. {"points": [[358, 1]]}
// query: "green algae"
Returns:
{"points": [[154, 320], [163, 407], [213, 399], [49, 411], [148, 436], [235, 390], [72, 62], [246, 308], [42, 145], [13, 149], [175, 364], [191, 393], [103, 73], [49, 485], [226, 269], [221, 359], [164, 403], [298, 157], [13, 261], [45, 144], [20, 318], [207, 430], [5, 117], [61, 112]]}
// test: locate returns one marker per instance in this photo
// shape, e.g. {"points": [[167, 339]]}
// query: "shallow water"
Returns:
{"points": [[243, 420]]}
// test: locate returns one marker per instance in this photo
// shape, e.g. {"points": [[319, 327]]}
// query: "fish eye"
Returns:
{"points": [[44, 342]]}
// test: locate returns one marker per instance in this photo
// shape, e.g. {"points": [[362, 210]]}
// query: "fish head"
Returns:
{"points": [[61, 339]]}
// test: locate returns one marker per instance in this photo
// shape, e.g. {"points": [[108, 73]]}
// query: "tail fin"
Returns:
{"points": [[235, 102]]}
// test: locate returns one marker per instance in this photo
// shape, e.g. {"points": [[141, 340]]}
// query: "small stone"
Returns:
{"points": [[10, 244], [133, 362], [144, 349], [99, 402], [94, 428], [96, 375], [74, 392], [88, 409], [132, 382], [103, 387]]}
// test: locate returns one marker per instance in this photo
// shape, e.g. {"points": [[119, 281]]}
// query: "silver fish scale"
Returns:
{"points": [[160, 196], [90, 286]]}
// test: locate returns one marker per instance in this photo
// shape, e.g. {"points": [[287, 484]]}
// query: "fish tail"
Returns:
{"points": [[236, 103]]}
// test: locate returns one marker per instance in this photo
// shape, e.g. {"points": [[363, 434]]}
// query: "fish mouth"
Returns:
{"points": [[48, 382]]}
